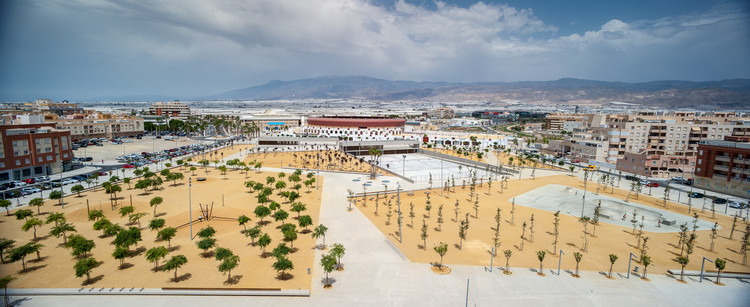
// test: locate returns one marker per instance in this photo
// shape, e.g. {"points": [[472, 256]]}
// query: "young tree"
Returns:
{"points": [[612, 259], [513, 212], [56, 195], [328, 262], [263, 241], [531, 229], [462, 227], [175, 263], [77, 189], [128, 237], [281, 265], [440, 218], [154, 254], [5, 204], [167, 234], [507, 253], [338, 251], [207, 232], [4, 284], [320, 231], [155, 202], [32, 223], [595, 219], [683, 261], [305, 221], [298, 208], [23, 214], [120, 253], [646, 261], [222, 253], [128, 210], [61, 230], [720, 265], [156, 224], [523, 234], [540, 254], [206, 244], [423, 234], [136, 218], [5, 245], [577, 256], [556, 230], [38, 203], [253, 233], [242, 220], [84, 267], [95, 215], [585, 221], [280, 215], [290, 236], [441, 249], [281, 250], [262, 211]]}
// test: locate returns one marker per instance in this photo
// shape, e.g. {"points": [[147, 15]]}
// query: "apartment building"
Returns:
{"points": [[724, 165], [101, 128], [561, 121], [440, 113], [170, 109], [33, 150]]}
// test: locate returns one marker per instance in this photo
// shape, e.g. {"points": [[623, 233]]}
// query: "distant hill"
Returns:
{"points": [[725, 93]]}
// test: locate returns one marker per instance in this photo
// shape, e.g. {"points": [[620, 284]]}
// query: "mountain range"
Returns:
{"points": [[734, 93]]}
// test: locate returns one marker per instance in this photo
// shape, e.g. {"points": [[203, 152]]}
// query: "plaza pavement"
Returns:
{"points": [[375, 275]]}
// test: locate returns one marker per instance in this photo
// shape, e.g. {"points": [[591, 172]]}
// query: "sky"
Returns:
{"points": [[88, 49]]}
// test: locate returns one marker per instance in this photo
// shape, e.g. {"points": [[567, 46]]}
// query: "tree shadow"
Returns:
{"points": [[284, 276], [182, 277], [234, 280], [93, 280], [160, 214], [40, 238], [734, 251], [137, 252], [331, 281], [35, 260], [207, 254], [305, 231], [265, 254], [293, 250], [30, 269], [174, 248], [125, 265]]}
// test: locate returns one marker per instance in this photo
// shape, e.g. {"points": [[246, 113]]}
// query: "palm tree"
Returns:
{"points": [[338, 251], [612, 259], [320, 231]]}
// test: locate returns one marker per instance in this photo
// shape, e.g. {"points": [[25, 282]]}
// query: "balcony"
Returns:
{"points": [[722, 158], [721, 168], [719, 177]]}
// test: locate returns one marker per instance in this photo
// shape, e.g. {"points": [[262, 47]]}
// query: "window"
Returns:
{"points": [[18, 162]]}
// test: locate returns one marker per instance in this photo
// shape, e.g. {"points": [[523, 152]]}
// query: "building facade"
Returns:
{"points": [[171, 109], [724, 166], [33, 150], [355, 128], [101, 128]]}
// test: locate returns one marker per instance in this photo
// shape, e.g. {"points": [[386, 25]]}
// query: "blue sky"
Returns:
{"points": [[79, 49]]}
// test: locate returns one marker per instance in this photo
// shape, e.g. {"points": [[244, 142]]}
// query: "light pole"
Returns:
{"points": [[398, 193], [62, 194], [630, 259], [559, 262], [441, 177], [585, 177], [690, 196], [190, 206], [403, 166], [703, 264]]}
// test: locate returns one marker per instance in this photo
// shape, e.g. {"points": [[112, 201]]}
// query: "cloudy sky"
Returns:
{"points": [[79, 49]]}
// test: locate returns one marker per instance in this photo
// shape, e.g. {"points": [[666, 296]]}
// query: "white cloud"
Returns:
{"points": [[208, 46]]}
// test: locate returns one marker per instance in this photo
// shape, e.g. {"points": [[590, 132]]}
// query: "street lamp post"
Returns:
{"points": [[62, 194], [190, 206], [398, 192], [403, 166], [585, 180]]}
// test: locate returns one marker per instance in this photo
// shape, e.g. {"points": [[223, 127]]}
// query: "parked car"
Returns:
{"points": [[30, 190], [652, 184], [735, 204], [15, 183], [69, 181], [29, 181], [720, 200], [41, 178], [631, 177], [696, 195], [128, 166]]}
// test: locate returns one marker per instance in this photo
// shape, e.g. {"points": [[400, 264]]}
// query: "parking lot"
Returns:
{"points": [[109, 151]]}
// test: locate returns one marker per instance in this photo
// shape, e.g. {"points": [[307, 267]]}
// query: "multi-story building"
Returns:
{"points": [[101, 128], [170, 109], [724, 166], [51, 107], [33, 150], [440, 113], [581, 146], [557, 121]]}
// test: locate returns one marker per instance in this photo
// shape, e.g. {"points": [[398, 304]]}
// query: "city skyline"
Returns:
{"points": [[77, 50]]}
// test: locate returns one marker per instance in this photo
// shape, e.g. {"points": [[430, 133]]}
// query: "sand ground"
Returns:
{"points": [[609, 239], [307, 160], [230, 199]]}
